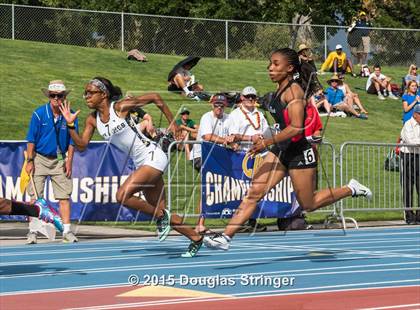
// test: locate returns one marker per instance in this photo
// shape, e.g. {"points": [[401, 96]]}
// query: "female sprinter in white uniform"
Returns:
{"points": [[110, 118]]}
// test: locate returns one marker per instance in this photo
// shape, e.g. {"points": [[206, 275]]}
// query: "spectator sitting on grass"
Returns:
{"points": [[337, 99], [338, 62], [181, 80], [319, 100], [410, 99], [380, 84], [189, 130], [352, 97], [412, 75]]}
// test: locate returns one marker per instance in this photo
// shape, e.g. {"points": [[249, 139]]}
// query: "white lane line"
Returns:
{"points": [[178, 266], [236, 296], [390, 307], [260, 236], [295, 272], [73, 250], [131, 248], [249, 243], [322, 242], [329, 251]]}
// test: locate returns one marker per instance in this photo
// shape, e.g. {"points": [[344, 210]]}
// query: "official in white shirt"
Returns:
{"points": [[247, 124], [213, 128], [410, 166]]}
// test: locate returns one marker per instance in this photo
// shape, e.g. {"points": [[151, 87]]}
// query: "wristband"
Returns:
{"points": [[71, 126], [29, 159]]}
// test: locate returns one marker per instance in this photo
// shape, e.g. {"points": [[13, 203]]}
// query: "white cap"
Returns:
{"points": [[249, 90], [338, 47]]}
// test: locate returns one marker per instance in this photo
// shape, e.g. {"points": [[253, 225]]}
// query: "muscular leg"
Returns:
{"points": [[335, 65], [266, 177], [325, 104], [303, 186], [198, 87], [149, 180], [140, 179], [349, 64], [156, 197], [179, 81], [65, 210], [377, 87], [10, 207], [356, 100], [346, 108]]}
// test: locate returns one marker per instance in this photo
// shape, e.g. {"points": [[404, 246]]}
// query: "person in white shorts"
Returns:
{"points": [[111, 118]]}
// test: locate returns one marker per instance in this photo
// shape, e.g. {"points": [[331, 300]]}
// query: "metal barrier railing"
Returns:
{"points": [[367, 163], [184, 183], [373, 164]]}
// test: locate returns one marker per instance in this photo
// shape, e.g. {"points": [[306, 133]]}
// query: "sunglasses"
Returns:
{"points": [[250, 97], [219, 105], [88, 93], [56, 96]]}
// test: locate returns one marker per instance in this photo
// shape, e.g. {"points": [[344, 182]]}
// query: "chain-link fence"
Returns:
{"points": [[192, 36]]}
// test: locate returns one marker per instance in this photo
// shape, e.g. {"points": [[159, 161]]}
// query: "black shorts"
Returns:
{"points": [[297, 155], [372, 89], [339, 70]]}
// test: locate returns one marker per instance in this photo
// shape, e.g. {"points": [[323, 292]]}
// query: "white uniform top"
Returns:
{"points": [[381, 77], [209, 124], [142, 150], [343, 89], [240, 124]]}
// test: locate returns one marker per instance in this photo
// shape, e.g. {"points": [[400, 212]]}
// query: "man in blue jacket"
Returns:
{"points": [[50, 153]]}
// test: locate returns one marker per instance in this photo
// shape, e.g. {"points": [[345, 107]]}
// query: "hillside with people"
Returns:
{"points": [[21, 84]]}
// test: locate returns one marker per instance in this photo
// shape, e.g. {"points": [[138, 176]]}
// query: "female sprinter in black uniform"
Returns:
{"points": [[290, 153]]}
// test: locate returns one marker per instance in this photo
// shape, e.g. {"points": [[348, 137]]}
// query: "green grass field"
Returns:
{"points": [[26, 67]]}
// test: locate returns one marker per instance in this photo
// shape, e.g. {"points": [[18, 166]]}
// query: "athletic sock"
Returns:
{"points": [[353, 191], [66, 228], [228, 239], [21, 208]]}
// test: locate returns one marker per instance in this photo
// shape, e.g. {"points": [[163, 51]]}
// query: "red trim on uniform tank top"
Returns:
{"points": [[287, 122]]}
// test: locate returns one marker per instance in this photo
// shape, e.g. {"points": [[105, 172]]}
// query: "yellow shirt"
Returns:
{"points": [[328, 63]]}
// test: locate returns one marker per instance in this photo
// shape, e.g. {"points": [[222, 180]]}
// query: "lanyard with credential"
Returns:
{"points": [[60, 155]]}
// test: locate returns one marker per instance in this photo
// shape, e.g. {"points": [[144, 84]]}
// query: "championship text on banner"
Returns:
{"points": [[98, 172], [226, 176]]}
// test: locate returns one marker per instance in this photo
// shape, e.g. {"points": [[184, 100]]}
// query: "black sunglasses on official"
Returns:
{"points": [[250, 97], [56, 96]]}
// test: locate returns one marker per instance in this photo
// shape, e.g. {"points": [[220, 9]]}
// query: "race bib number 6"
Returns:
{"points": [[309, 156]]}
